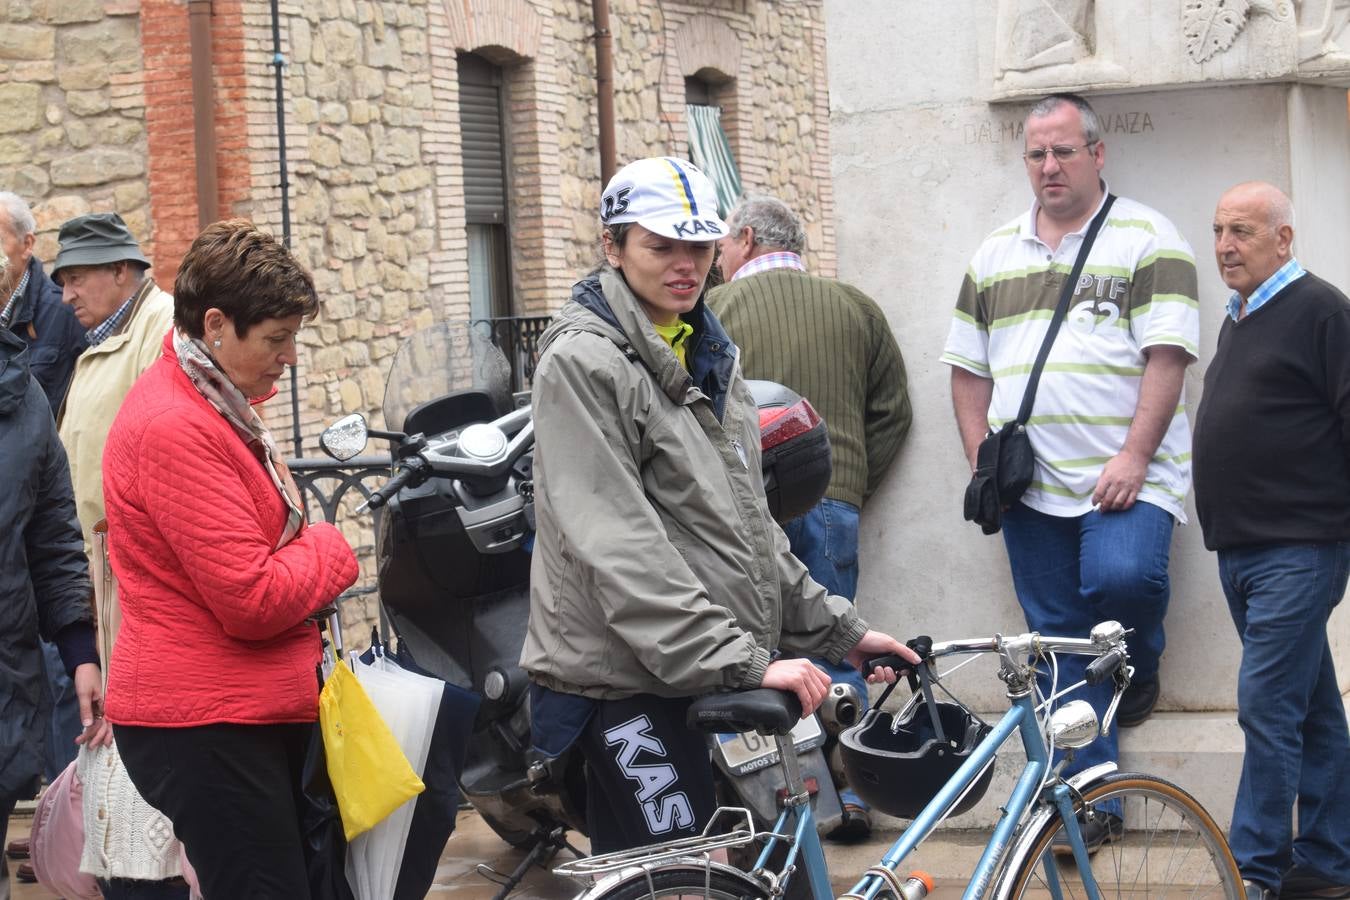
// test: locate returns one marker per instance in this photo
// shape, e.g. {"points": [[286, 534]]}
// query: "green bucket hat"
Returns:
{"points": [[95, 240]]}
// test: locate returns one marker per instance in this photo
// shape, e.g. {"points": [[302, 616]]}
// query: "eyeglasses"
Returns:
{"points": [[1062, 153]]}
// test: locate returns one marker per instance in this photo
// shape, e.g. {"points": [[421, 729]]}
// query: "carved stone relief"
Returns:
{"points": [[1036, 33], [1086, 45], [1048, 45], [1323, 34]]}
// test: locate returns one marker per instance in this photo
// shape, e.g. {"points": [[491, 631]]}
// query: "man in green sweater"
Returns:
{"points": [[829, 342]]}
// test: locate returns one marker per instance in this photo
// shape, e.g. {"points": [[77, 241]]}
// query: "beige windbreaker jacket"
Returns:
{"points": [[657, 568], [103, 376]]}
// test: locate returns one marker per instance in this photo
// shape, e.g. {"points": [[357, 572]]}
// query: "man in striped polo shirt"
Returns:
{"points": [[1089, 540], [831, 343]]}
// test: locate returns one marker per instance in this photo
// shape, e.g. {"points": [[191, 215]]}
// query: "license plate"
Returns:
{"points": [[750, 751]]}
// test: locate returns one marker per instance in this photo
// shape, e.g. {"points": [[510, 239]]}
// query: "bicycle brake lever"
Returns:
{"points": [[1122, 682]]}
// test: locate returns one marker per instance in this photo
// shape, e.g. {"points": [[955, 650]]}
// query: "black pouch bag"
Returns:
{"points": [[1003, 470], [1004, 463]]}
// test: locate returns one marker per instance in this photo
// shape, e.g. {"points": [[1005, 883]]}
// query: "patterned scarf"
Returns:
{"points": [[13, 303], [213, 384]]}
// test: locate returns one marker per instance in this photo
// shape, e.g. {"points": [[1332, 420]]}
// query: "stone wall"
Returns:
{"points": [[98, 100], [376, 183], [361, 203], [74, 137], [775, 102]]}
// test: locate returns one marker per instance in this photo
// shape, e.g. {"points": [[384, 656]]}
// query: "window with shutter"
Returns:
{"points": [[709, 148], [486, 215]]}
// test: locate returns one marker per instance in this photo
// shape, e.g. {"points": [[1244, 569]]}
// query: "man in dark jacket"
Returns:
{"points": [[31, 307], [30, 304], [44, 584], [1272, 489]]}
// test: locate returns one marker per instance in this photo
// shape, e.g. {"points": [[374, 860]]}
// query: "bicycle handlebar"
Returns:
{"points": [[1104, 667], [1019, 655], [1027, 643], [890, 660]]}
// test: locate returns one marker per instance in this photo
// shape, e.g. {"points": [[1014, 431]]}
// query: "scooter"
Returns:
{"points": [[453, 542]]}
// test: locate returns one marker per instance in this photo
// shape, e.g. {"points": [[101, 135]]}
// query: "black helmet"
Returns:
{"points": [[900, 771], [796, 450]]}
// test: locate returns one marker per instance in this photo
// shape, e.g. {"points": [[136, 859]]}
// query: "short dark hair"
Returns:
{"points": [[618, 232], [1092, 127], [245, 273]]}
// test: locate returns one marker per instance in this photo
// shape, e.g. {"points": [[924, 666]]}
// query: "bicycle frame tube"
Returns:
{"points": [[1020, 716], [1063, 800], [1024, 792], [800, 822], [812, 855]]}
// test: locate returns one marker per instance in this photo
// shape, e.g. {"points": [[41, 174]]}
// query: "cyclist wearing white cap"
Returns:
{"points": [[658, 573]]}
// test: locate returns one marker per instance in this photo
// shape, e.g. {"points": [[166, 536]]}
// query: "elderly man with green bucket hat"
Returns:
{"points": [[103, 276]]}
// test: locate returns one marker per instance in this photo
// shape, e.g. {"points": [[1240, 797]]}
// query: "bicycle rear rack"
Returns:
{"points": [[699, 845]]}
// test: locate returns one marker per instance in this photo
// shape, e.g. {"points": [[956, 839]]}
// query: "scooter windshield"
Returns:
{"points": [[441, 359]]}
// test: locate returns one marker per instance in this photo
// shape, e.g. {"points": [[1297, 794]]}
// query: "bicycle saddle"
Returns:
{"points": [[765, 710]]}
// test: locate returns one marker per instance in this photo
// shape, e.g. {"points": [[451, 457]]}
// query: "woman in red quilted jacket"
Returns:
{"points": [[212, 687]]}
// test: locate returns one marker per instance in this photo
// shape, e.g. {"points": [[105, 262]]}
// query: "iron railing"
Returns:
{"points": [[518, 337], [351, 475], [326, 483]]}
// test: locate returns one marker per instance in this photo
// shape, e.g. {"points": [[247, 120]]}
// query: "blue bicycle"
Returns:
{"points": [[933, 759]]}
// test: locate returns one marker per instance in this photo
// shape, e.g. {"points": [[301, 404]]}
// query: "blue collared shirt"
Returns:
{"points": [[1283, 277], [100, 332]]}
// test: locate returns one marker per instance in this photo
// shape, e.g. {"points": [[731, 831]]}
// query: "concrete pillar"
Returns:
{"points": [[926, 110]]}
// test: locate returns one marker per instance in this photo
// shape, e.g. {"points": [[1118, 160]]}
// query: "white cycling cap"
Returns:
{"points": [[667, 196]]}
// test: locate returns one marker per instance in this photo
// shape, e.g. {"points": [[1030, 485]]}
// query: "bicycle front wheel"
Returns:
{"points": [[685, 881], [1171, 847]]}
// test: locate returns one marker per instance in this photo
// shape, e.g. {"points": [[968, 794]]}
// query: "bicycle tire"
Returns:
{"points": [[685, 880], [1170, 843]]}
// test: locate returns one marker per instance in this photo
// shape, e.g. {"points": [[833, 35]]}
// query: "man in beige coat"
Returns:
{"points": [[102, 275]]}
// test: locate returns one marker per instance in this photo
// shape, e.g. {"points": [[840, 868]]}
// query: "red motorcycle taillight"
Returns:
{"points": [[780, 424]]}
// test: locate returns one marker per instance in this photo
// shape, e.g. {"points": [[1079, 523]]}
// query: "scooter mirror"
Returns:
{"points": [[345, 438]]}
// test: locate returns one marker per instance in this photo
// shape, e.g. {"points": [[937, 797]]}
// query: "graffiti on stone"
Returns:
{"points": [[993, 131]]}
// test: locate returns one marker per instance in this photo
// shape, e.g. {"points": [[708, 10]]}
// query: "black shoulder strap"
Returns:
{"points": [[1062, 310]]}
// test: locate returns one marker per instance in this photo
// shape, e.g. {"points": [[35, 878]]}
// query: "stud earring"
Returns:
{"points": [[216, 342]]}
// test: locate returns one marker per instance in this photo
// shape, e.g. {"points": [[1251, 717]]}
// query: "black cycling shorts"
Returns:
{"points": [[648, 775]]}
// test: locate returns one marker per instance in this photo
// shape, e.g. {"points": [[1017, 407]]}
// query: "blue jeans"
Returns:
{"points": [[64, 726], [825, 539], [1290, 710], [1071, 573]]}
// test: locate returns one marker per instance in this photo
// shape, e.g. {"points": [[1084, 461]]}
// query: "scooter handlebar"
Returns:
{"points": [[414, 470]]}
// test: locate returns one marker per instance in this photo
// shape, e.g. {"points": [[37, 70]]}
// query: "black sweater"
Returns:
{"points": [[1272, 435]]}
